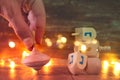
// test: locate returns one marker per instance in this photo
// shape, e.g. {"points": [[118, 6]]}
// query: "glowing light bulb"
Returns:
{"points": [[47, 68], [48, 42], [11, 44], [12, 64], [76, 43], [105, 66], [49, 63], [2, 62], [25, 54], [94, 41], [63, 39], [83, 48], [117, 69]]}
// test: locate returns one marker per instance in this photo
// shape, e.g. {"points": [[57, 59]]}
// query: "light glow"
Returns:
{"points": [[105, 66], [25, 54], [48, 42], [49, 63], [117, 69], [46, 67], [12, 64], [76, 43], [94, 41], [60, 46], [61, 41], [83, 48], [11, 44], [2, 62]]}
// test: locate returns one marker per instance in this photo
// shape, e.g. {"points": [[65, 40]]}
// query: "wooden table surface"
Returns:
{"points": [[57, 71]]}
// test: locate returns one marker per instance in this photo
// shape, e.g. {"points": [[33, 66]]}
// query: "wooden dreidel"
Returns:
{"points": [[77, 63], [85, 33], [36, 59], [93, 66]]}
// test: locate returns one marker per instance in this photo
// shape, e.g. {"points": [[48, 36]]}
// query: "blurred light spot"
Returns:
{"points": [[94, 41], [33, 71], [12, 64], [48, 42], [117, 69], [11, 44], [60, 46], [49, 63], [105, 66], [113, 62], [12, 68], [25, 54], [2, 62], [46, 68], [12, 73], [83, 48], [76, 43], [61, 41], [59, 35]]}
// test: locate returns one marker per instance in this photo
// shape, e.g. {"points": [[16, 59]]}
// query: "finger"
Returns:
{"points": [[38, 19], [13, 14]]}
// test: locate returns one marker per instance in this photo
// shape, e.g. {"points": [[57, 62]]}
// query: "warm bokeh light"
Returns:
{"points": [[113, 62], [77, 43], [2, 62], [33, 71], [83, 48], [94, 41], [49, 63], [46, 67], [25, 54], [111, 57], [105, 66], [12, 73], [11, 44], [117, 69], [61, 41], [12, 64], [60, 46], [48, 42]]}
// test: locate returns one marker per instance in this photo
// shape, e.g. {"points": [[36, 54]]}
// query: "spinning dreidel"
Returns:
{"points": [[36, 59], [87, 46]]}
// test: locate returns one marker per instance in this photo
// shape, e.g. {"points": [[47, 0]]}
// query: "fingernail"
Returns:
{"points": [[29, 43]]}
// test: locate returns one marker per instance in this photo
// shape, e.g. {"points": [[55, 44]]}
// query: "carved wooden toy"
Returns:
{"points": [[36, 59], [85, 58]]}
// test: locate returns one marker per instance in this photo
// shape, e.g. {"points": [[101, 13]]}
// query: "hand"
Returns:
{"points": [[25, 16]]}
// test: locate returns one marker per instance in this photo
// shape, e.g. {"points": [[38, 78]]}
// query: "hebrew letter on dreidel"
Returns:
{"points": [[88, 34], [81, 61], [84, 33]]}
